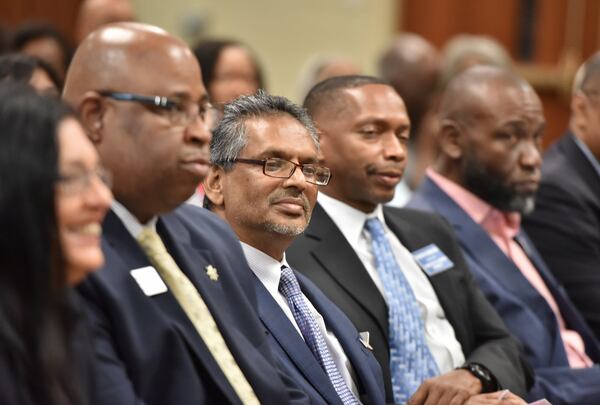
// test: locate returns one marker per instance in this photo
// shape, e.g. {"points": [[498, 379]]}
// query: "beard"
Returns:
{"points": [[491, 188], [288, 229]]}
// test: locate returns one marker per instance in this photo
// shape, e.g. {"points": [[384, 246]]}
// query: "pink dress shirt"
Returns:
{"points": [[502, 227]]}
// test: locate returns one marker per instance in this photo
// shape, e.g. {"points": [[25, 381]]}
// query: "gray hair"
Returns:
{"points": [[230, 137]]}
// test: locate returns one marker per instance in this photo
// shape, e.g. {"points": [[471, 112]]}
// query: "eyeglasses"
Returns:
{"points": [[178, 112], [80, 180], [284, 169]]}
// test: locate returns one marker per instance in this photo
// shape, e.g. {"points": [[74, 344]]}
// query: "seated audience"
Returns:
{"points": [[263, 182], [565, 224], [436, 337], [484, 179], [31, 70], [173, 307], [53, 197]]}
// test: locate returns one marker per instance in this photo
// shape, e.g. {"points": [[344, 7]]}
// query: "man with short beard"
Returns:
{"points": [[484, 179], [264, 182]]}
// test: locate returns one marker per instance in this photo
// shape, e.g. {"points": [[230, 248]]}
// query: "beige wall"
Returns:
{"points": [[283, 33]]}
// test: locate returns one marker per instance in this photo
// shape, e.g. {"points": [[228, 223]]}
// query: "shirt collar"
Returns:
{"points": [[505, 224], [133, 226], [349, 220], [267, 269]]}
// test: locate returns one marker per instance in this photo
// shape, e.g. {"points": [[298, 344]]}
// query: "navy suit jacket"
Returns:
{"points": [[299, 361], [565, 225], [523, 309], [147, 350], [324, 255]]}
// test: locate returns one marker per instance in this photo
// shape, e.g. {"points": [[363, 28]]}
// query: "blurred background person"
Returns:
{"points": [[31, 70], [565, 225], [411, 65], [52, 201], [229, 70], [321, 67], [45, 42], [94, 13]]}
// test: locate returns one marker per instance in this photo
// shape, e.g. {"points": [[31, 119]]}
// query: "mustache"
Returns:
{"points": [[372, 168], [280, 195]]}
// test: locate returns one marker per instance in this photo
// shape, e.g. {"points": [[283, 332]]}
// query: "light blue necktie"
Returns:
{"points": [[289, 287], [411, 361]]}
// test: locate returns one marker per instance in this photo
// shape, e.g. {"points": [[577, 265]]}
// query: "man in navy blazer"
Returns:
{"points": [[140, 96], [565, 225], [484, 178], [264, 182]]}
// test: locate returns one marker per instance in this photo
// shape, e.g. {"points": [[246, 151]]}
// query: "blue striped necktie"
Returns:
{"points": [[411, 361], [289, 287]]}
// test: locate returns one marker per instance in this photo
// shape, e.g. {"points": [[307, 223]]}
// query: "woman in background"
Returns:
{"points": [[53, 197]]}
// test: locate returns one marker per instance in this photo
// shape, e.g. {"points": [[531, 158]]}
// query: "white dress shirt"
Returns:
{"points": [[130, 221], [439, 334], [268, 271]]}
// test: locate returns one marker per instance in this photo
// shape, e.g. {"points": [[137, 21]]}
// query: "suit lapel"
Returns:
{"points": [[481, 249], [294, 346], [340, 260], [133, 257], [348, 337]]}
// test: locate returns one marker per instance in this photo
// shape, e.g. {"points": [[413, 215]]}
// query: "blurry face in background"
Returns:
{"points": [[82, 200], [48, 50], [235, 76], [42, 83]]}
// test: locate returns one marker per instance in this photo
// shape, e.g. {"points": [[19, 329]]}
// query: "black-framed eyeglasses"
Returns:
{"points": [[79, 181], [179, 113], [284, 169]]}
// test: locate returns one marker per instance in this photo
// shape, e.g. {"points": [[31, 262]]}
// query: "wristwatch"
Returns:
{"points": [[488, 381]]}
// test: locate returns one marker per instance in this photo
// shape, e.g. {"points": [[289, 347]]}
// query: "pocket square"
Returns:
{"points": [[364, 339]]}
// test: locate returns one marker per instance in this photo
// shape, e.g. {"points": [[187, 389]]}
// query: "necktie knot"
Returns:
{"points": [[288, 283], [374, 227]]}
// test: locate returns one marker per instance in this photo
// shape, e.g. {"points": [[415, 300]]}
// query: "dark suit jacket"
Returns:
{"points": [[565, 225], [523, 309], [302, 365], [324, 255], [147, 349]]}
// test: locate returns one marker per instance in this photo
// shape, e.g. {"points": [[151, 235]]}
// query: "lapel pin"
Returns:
{"points": [[211, 272]]}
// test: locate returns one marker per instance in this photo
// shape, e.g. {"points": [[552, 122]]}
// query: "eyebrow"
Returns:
{"points": [[184, 96], [278, 153]]}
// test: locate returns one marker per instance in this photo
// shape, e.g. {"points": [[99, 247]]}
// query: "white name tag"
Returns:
{"points": [[149, 280]]}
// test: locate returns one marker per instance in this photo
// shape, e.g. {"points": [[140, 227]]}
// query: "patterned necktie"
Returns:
{"points": [[289, 287], [193, 305], [411, 361]]}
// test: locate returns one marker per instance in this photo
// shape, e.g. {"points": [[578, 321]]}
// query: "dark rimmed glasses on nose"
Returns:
{"points": [[79, 181], [284, 169], [178, 112]]}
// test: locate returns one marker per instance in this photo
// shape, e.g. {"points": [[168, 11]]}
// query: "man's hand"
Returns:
{"points": [[493, 398], [452, 388]]}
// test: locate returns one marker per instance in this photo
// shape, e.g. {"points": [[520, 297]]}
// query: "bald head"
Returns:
{"points": [[491, 137], [476, 90], [157, 152], [125, 57], [95, 13], [585, 104], [411, 65]]}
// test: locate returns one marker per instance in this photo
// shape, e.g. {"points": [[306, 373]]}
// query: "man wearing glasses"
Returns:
{"points": [[264, 182], [172, 309]]}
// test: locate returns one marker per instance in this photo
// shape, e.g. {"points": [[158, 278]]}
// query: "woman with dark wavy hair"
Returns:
{"points": [[53, 197]]}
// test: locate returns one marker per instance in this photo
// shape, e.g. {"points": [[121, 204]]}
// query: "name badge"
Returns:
{"points": [[432, 259], [149, 280]]}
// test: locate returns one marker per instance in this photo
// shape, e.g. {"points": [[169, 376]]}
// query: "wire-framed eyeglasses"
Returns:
{"points": [[284, 169]]}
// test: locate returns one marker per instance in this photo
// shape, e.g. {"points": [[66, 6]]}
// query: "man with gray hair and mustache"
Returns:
{"points": [[264, 182]]}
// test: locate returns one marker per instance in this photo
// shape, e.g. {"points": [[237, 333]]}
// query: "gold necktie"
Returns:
{"points": [[193, 305]]}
